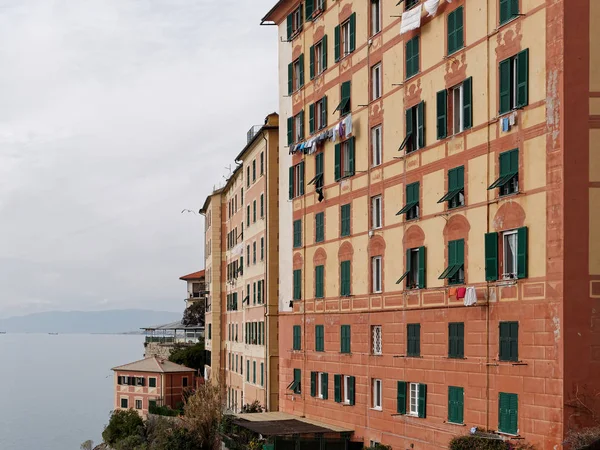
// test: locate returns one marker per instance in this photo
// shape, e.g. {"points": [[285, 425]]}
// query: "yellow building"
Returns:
{"points": [[439, 250]]}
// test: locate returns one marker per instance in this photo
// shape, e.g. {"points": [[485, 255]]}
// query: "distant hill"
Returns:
{"points": [[111, 321]]}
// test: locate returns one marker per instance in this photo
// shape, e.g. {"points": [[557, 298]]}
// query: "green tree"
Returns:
{"points": [[123, 424], [194, 314], [192, 357]]}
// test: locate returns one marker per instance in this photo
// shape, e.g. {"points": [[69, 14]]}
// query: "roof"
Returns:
{"points": [[193, 276], [173, 326], [269, 125], [269, 15], [208, 199], [282, 424], [154, 365]]}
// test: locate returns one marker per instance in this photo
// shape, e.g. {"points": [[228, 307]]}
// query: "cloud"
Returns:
{"points": [[116, 115]]}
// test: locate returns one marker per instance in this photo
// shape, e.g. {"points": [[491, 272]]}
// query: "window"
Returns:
{"points": [[248, 215], [295, 128], [455, 272], [262, 248], [413, 341], [294, 22], [376, 81], [345, 279], [254, 292], [509, 9], [248, 371], [152, 382], [248, 176], [296, 180], [345, 38], [514, 82], [376, 211], [345, 339], [319, 338], [254, 211], [417, 397], [410, 3], [375, 17], [509, 341], [508, 181], [514, 259], [317, 115], [254, 372], [456, 340], [184, 380], [345, 220], [323, 385], [376, 274], [345, 105], [318, 58], [262, 205], [319, 281], [346, 384], [262, 169], [297, 284], [344, 159], [415, 128], [297, 383], [318, 180], [456, 188], [296, 75], [376, 335], [248, 254], [456, 39], [259, 295], [319, 227], [508, 405], [411, 208], [254, 171], [377, 394], [262, 374], [415, 269], [376, 146], [297, 233], [210, 330], [314, 8], [412, 57], [124, 403], [254, 252], [459, 111], [456, 401]]}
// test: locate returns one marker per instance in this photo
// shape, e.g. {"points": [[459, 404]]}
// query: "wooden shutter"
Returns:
{"points": [[442, 118], [422, 268], [523, 78], [337, 388], [324, 52], [309, 9], [460, 339], [459, 40], [408, 267], [311, 118], [313, 384], [290, 78], [491, 256], [301, 169], [504, 332], [342, 329], [301, 64], [514, 8], [289, 26], [452, 32], [352, 32], [119, 380], [325, 385], [319, 281], [336, 48], [504, 11], [505, 105], [452, 340], [324, 112], [421, 125], [291, 187], [401, 397], [351, 389], [312, 62], [337, 166], [522, 252], [513, 413], [290, 129], [350, 170], [468, 103], [409, 127], [422, 401], [302, 124]]}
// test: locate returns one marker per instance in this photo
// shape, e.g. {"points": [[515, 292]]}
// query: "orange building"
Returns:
{"points": [[151, 382], [440, 246]]}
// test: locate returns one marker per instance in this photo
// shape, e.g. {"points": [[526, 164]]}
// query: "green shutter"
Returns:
{"points": [[421, 124], [301, 124], [350, 171], [452, 32], [298, 380], [345, 278], [401, 398], [522, 252], [345, 220], [319, 278], [468, 103], [491, 256], [504, 11], [408, 267], [311, 118], [325, 385], [422, 267], [352, 32], [514, 8], [508, 413], [409, 125], [337, 43], [301, 64], [345, 94], [313, 384], [324, 52], [289, 26], [309, 9], [319, 232], [301, 169], [422, 401], [523, 78], [505, 105], [459, 40], [290, 130], [337, 166], [324, 112], [312, 62], [504, 341], [345, 339], [290, 78], [337, 388], [412, 57], [455, 404], [442, 118], [291, 187], [297, 284], [351, 389]]}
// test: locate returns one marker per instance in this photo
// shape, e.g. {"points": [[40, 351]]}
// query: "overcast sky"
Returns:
{"points": [[114, 116]]}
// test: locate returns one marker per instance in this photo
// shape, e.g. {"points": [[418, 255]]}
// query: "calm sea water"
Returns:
{"points": [[57, 391]]}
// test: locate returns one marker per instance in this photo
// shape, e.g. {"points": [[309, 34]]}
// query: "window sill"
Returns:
{"points": [[408, 78], [450, 54], [454, 423], [377, 409], [452, 208], [376, 354], [503, 196], [504, 433], [375, 34], [507, 22]]}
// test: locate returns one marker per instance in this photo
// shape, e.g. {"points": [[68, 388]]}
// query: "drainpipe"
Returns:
{"points": [[266, 334], [487, 163]]}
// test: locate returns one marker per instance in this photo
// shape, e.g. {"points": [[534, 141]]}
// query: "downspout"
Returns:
{"points": [[266, 286], [487, 163]]}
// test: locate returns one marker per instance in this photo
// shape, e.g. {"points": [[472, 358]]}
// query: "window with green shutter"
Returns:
{"points": [[442, 114], [412, 57], [324, 386], [319, 281], [509, 341], [456, 340], [415, 128], [318, 58], [509, 9], [345, 278], [350, 391], [413, 342], [411, 208], [456, 404], [491, 256], [254, 211], [345, 339], [455, 30], [514, 82], [455, 272], [345, 106], [508, 179], [247, 370], [319, 338], [508, 413], [319, 227], [456, 188], [297, 334], [337, 388], [294, 23], [297, 233], [254, 372], [313, 383], [297, 383], [318, 180], [345, 220], [415, 273], [298, 284], [262, 374], [401, 397]]}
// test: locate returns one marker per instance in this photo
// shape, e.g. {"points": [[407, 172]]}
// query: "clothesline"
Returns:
{"points": [[340, 130], [411, 19]]}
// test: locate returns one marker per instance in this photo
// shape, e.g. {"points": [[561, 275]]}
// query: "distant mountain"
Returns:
{"points": [[112, 321]]}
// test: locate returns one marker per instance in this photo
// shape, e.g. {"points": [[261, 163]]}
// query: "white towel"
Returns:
{"points": [[470, 296], [431, 6], [411, 19], [348, 124]]}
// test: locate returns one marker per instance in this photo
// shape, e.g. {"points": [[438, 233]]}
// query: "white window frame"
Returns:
{"points": [[318, 57], [375, 17], [376, 212], [141, 403], [377, 339], [507, 236], [377, 393], [376, 265], [345, 158], [296, 20], [320, 384], [515, 89], [414, 268], [296, 77], [345, 38], [296, 189], [376, 145], [376, 82], [319, 115], [413, 402], [458, 120], [346, 389], [297, 127]]}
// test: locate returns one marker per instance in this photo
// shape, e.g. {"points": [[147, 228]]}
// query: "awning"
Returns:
{"points": [[407, 208], [405, 142], [404, 275], [450, 271], [342, 105], [450, 195], [502, 180], [283, 424]]}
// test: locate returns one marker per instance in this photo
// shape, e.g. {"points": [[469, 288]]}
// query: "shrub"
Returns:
{"points": [[192, 357], [580, 439], [475, 442], [254, 407], [123, 424], [163, 411], [379, 447]]}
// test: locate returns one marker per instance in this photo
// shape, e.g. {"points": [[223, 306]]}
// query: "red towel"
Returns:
{"points": [[461, 292]]}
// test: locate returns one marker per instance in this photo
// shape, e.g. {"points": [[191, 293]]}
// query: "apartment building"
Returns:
{"points": [[241, 245], [439, 253]]}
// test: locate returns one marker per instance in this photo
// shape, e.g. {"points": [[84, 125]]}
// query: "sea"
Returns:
{"points": [[56, 391]]}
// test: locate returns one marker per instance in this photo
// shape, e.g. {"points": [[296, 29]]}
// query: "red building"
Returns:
{"points": [[141, 384]]}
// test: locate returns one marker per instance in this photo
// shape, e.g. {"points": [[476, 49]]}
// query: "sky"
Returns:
{"points": [[116, 115]]}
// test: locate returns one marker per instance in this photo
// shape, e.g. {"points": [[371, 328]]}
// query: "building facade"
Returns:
{"points": [[196, 287], [242, 246], [439, 259]]}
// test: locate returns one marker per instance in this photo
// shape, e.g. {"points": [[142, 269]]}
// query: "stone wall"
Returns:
{"points": [[157, 349]]}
